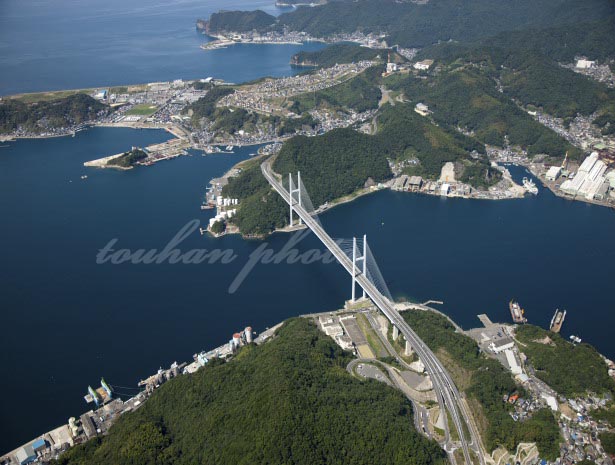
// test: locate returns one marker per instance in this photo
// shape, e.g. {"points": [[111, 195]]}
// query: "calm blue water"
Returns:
{"points": [[67, 44], [67, 321]]}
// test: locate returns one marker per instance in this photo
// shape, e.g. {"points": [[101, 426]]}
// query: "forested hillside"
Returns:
{"points": [[339, 53], [360, 93], [236, 21], [289, 401], [335, 164], [467, 99], [40, 116], [417, 25], [569, 369], [261, 209]]}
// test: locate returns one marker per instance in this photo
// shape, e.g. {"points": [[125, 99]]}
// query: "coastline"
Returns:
{"points": [[554, 188], [481, 195], [109, 408]]}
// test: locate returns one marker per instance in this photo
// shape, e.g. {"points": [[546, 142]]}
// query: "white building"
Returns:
{"points": [[551, 401], [585, 64], [391, 67], [423, 65], [445, 189], [421, 109], [501, 345], [512, 362], [553, 173]]}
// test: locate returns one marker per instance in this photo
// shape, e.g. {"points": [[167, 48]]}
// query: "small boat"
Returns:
{"points": [[557, 321], [517, 312]]}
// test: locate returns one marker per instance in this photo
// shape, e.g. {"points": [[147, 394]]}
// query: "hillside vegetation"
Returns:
{"points": [[261, 209], [531, 73], [410, 24], [289, 401], [360, 93], [467, 99], [334, 164], [569, 369], [237, 21], [205, 107], [339, 53], [41, 116]]}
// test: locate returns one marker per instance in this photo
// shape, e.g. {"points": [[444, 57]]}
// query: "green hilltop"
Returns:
{"points": [[290, 400]]}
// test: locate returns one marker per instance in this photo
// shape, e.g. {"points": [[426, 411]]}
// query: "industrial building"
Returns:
{"points": [[585, 64], [514, 366], [501, 345], [26, 454], [553, 173], [589, 179], [415, 183]]}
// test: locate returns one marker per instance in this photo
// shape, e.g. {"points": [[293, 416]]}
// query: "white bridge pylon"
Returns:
{"points": [[356, 259], [295, 195]]}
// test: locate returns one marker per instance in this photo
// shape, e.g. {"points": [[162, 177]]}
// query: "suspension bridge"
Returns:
{"points": [[357, 259]]}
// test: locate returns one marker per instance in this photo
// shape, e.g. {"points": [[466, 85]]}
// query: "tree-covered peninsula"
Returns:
{"points": [[43, 116]]}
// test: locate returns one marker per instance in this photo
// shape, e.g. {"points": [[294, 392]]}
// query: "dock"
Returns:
{"points": [[485, 320], [156, 152], [102, 162]]}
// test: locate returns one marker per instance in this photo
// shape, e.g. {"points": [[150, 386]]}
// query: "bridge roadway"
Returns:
{"points": [[446, 391]]}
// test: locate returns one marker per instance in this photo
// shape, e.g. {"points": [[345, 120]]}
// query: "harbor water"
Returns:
{"points": [[67, 320]]}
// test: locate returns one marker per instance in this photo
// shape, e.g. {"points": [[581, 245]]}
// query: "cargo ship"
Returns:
{"points": [[517, 312], [557, 321]]}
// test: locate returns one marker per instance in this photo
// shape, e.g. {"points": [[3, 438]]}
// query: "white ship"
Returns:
{"points": [[530, 186]]}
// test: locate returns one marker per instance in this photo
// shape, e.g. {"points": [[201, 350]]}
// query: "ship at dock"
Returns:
{"points": [[557, 321], [517, 312], [530, 186]]}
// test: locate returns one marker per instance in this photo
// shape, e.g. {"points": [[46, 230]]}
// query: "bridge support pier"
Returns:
{"points": [[395, 332], [408, 350]]}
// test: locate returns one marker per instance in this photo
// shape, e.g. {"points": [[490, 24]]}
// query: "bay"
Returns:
{"points": [[69, 44]]}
